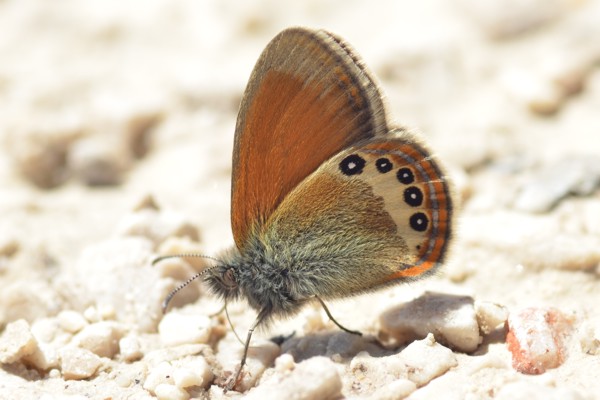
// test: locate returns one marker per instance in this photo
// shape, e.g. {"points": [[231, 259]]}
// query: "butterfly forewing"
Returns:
{"points": [[309, 97]]}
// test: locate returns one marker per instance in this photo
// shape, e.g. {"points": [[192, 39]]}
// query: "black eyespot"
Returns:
{"points": [[419, 222], [413, 196], [405, 176], [384, 165], [352, 165]]}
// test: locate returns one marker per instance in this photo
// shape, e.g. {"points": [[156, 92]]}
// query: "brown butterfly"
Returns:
{"points": [[327, 200]]}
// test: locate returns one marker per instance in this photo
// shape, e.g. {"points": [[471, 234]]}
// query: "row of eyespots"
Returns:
{"points": [[413, 196]]}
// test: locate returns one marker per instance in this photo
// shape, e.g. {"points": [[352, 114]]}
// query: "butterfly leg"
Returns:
{"points": [[334, 321], [238, 375]]}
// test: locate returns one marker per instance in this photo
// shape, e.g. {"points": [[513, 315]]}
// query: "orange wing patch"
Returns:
{"points": [[301, 107]]}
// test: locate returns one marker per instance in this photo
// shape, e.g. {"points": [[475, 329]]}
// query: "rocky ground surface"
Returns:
{"points": [[116, 128]]}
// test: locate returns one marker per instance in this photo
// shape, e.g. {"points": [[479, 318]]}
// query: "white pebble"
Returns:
{"points": [[129, 348], [54, 373], [106, 311], [427, 360], [175, 329], [43, 358], [160, 374], [91, 314], [184, 378], [71, 321], [261, 355], [451, 318], [316, 378], [490, 316], [192, 371], [101, 338], [420, 362], [47, 330], [76, 363], [16, 342], [284, 362], [164, 391]]}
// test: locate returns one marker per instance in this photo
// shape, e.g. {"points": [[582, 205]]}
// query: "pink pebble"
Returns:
{"points": [[535, 339]]}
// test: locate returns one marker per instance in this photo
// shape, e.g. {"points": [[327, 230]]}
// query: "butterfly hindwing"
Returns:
{"points": [[308, 98], [384, 214]]}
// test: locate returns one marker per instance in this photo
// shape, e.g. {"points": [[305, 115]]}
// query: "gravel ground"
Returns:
{"points": [[116, 127]]}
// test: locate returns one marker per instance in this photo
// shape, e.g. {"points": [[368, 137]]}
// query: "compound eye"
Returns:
{"points": [[229, 279]]}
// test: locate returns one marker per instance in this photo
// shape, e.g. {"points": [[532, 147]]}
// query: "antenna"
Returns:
{"points": [[173, 292]]}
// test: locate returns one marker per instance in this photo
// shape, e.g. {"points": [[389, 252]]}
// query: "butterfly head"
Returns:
{"points": [[268, 287], [222, 280]]}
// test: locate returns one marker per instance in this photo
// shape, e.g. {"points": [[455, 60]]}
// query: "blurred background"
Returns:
{"points": [[103, 103], [110, 107]]}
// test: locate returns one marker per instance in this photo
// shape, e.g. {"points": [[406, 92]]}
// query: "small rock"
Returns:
{"points": [[158, 375], [44, 358], [490, 316], [168, 354], [284, 362], [54, 374], [535, 339], [101, 338], [175, 329], [165, 391], [337, 345], [261, 355], [185, 378], [452, 319], [76, 363], [426, 360], [106, 311], [47, 330], [420, 362], [16, 342], [92, 315], [71, 321], [130, 349], [316, 378]]}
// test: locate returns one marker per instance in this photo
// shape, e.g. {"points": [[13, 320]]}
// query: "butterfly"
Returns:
{"points": [[328, 199]]}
